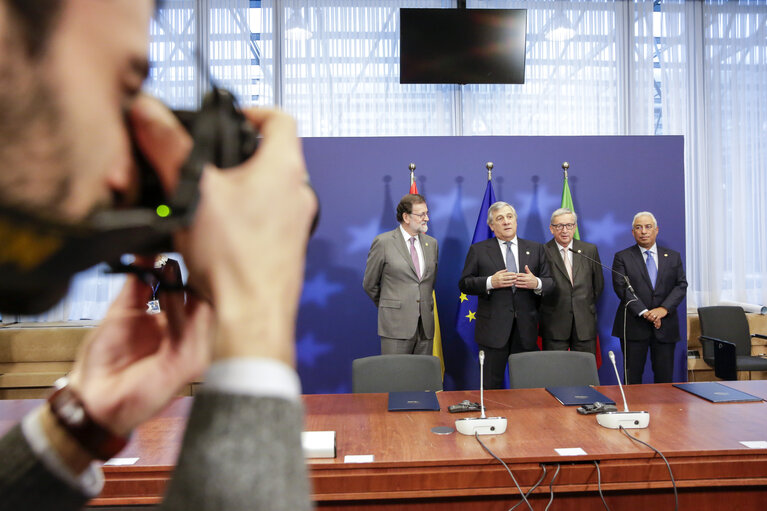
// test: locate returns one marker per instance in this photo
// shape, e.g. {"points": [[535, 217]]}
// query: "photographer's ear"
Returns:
{"points": [[161, 138]]}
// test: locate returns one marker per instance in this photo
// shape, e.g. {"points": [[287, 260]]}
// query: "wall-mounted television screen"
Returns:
{"points": [[462, 45]]}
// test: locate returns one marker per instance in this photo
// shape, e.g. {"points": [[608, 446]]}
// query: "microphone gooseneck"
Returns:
{"points": [[612, 359], [481, 384]]}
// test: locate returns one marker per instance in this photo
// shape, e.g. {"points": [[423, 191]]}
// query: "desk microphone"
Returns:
{"points": [[481, 425], [627, 419]]}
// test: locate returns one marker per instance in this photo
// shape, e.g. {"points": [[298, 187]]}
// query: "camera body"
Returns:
{"points": [[39, 255]]}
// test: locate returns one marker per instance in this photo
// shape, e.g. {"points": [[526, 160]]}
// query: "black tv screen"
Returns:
{"points": [[462, 45]]}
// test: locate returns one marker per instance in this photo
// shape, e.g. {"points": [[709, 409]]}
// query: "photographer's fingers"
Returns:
{"points": [[281, 147], [161, 138]]}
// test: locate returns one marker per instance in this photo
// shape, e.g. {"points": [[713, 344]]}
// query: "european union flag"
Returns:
{"points": [[468, 305]]}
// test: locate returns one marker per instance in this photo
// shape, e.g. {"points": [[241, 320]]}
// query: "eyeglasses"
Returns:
{"points": [[421, 215], [559, 227], [646, 227]]}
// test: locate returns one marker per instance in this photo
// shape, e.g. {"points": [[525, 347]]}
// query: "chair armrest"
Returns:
{"points": [[759, 336], [707, 345]]}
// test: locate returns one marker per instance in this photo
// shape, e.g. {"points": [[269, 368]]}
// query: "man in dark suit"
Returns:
{"points": [[508, 275], [399, 278], [569, 314], [657, 276]]}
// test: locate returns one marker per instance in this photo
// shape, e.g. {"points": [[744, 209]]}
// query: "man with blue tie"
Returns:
{"points": [[509, 275], [657, 277]]}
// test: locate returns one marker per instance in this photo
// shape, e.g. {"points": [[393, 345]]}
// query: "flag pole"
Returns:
{"points": [[489, 165], [412, 173]]}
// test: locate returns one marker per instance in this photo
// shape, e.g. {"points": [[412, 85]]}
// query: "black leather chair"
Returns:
{"points": [[396, 373], [728, 323], [537, 369]]}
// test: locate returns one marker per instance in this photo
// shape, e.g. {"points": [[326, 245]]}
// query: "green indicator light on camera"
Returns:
{"points": [[163, 211]]}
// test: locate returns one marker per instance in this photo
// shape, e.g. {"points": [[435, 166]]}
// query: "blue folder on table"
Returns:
{"points": [[579, 395], [716, 392], [411, 401]]}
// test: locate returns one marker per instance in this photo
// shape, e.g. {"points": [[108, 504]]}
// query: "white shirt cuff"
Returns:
{"points": [[254, 376], [90, 482]]}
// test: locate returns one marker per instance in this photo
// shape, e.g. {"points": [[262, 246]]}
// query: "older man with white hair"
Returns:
{"points": [[651, 321]]}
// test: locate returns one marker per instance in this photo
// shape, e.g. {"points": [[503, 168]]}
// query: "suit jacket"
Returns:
{"points": [[239, 453], [670, 290], [500, 308], [572, 300], [391, 282]]}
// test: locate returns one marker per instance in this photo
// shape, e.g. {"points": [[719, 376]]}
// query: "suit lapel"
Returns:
{"points": [[523, 253], [578, 261], [662, 262], [552, 248], [556, 256], [494, 253], [638, 255], [428, 255]]}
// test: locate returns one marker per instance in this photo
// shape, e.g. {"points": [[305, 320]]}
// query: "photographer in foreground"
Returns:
{"points": [[70, 74]]}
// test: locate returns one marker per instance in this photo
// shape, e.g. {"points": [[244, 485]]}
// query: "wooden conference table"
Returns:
{"points": [[414, 468]]}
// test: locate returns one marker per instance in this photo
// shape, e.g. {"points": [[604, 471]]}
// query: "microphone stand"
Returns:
{"points": [[481, 425], [625, 308]]}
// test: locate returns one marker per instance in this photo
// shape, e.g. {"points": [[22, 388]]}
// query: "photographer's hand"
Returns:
{"points": [[247, 245], [135, 362]]}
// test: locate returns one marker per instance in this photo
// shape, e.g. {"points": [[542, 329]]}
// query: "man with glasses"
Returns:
{"points": [[659, 282], [569, 314], [399, 278]]}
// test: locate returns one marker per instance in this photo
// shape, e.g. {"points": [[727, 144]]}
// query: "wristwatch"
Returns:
{"points": [[71, 414]]}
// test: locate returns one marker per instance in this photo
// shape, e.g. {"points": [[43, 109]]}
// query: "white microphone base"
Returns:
{"points": [[480, 426], [629, 420]]}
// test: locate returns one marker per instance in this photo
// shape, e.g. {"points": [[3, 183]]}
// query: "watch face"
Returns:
{"points": [[73, 413]]}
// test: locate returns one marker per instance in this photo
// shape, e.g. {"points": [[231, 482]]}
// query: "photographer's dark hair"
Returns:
{"points": [[35, 21], [406, 204]]}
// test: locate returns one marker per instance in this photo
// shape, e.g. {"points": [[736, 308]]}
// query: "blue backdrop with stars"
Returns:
{"points": [[360, 181]]}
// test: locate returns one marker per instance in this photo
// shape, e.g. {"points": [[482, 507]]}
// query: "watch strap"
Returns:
{"points": [[71, 414]]}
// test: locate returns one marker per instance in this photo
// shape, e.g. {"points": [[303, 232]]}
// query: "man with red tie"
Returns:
{"points": [[399, 277]]}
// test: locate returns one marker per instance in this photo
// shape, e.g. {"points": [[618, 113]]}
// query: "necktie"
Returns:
{"points": [[651, 268], [511, 264], [568, 266], [414, 257]]}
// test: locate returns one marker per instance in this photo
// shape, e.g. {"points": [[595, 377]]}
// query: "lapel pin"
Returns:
{"points": [[426, 244], [527, 252], [579, 250], [665, 255]]}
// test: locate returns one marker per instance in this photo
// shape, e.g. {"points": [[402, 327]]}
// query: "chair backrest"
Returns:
{"points": [[536, 369], [727, 323], [396, 373]]}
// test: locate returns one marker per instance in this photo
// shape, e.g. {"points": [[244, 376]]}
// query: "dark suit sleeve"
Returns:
{"points": [[679, 290], [240, 452], [26, 483], [544, 273], [371, 282], [471, 282], [620, 288]]}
